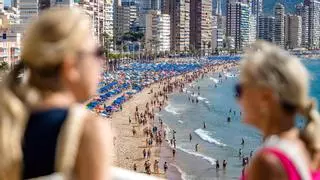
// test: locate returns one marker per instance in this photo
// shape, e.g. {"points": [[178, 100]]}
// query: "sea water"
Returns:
{"points": [[220, 140]]}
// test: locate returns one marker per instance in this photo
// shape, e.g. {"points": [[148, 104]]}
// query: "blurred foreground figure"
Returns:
{"points": [[273, 89], [43, 129]]}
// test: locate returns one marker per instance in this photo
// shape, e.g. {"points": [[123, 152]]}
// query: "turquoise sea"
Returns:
{"points": [[220, 140]]}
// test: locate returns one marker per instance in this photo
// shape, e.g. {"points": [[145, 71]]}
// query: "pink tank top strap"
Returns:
{"points": [[286, 163], [288, 166]]}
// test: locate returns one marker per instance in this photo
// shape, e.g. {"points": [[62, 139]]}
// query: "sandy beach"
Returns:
{"points": [[128, 148]]}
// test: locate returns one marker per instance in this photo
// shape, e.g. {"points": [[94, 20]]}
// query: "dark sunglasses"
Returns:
{"points": [[98, 52], [238, 90]]}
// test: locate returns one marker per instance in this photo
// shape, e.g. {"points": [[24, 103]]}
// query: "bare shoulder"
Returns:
{"points": [[266, 166], [95, 150]]}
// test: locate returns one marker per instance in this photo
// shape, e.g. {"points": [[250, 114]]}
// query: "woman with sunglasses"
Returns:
{"points": [[44, 131], [273, 89]]}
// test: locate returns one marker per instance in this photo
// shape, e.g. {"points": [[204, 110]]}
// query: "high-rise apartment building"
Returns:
{"points": [[311, 24], [217, 33], [28, 9], [266, 28], [179, 11], [299, 9], [252, 29], [108, 28], [305, 25], [314, 24], [14, 3], [238, 24], [157, 35], [201, 25], [125, 17], [256, 10], [279, 14], [294, 31]]}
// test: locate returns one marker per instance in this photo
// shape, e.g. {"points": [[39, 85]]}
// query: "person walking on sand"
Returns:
{"points": [[173, 153], [165, 167], [190, 137], [156, 167], [134, 131], [251, 153], [144, 152], [129, 120], [197, 147], [149, 154], [134, 167]]}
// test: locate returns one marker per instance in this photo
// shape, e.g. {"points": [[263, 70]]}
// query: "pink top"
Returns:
{"points": [[287, 164]]}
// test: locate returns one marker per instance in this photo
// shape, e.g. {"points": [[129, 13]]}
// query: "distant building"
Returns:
{"points": [[14, 3], [238, 24], [28, 9], [179, 11], [200, 25], [299, 9], [266, 28], [279, 14], [252, 29], [294, 31], [305, 27], [157, 35], [125, 17], [311, 24], [217, 34], [108, 28]]}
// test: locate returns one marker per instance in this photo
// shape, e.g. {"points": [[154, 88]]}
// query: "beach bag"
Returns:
{"points": [[291, 150], [68, 144]]}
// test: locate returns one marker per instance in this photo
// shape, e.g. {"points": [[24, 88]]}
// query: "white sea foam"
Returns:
{"points": [[201, 98], [183, 174], [181, 122], [207, 102], [229, 75], [216, 81], [171, 109], [211, 160], [184, 90], [206, 136]]}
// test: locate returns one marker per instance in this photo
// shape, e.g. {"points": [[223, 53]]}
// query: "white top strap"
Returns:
{"points": [[291, 150], [69, 140]]}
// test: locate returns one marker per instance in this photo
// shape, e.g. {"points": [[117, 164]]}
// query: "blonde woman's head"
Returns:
{"points": [[60, 56], [61, 53], [274, 84]]}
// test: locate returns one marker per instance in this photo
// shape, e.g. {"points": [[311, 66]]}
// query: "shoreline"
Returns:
{"points": [[128, 148]]}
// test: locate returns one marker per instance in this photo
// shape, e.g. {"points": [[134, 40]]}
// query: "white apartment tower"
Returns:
{"points": [[252, 29], [28, 9], [157, 35]]}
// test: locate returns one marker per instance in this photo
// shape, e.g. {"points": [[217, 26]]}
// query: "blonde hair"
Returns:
{"points": [[55, 34], [270, 66]]}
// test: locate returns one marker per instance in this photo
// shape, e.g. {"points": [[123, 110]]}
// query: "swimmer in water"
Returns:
{"points": [[242, 141], [229, 119], [204, 125], [190, 137], [224, 164]]}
